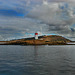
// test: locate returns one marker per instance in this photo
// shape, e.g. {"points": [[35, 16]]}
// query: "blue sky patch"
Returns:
{"points": [[5, 12]]}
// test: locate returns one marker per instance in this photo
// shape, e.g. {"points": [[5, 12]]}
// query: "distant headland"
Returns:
{"points": [[40, 40]]}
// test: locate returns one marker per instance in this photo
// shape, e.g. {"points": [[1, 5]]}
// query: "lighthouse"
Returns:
{"points": [[36, 36]]}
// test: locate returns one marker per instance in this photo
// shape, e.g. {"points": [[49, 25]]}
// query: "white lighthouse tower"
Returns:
{"points": [[36, 36]]}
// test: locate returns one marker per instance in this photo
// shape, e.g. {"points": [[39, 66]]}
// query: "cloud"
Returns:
{"points": [[17, 27], [15, 7], [21, 16], [45, 13], [58, 16], [1, 38], [49, 13], [61, 0], [6, 32]]}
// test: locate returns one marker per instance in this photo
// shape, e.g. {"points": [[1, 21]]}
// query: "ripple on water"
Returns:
{"points": [[37, 60]]}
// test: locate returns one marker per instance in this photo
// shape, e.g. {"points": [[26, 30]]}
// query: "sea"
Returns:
{"points": [[37, 60]]}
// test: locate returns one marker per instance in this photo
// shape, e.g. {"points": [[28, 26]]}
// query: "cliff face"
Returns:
{"points": [[43, 40]]}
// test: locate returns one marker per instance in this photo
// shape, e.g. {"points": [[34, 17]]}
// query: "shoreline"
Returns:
{"points": [[42, 40]]}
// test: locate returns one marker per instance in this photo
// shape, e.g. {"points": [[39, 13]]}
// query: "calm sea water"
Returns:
{"points": [[37, 60]]}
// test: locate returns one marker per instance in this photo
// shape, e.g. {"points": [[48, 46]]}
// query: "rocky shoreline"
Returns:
{"points": [[42, 40]]}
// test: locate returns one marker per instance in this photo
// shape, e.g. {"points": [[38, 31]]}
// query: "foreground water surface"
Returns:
{"points": [[37, 60]]}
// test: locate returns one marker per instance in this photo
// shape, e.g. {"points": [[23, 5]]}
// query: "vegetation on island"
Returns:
{"points": [[42, 40]]}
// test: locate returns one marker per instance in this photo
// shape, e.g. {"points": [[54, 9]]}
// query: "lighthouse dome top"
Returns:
{"points": [[36, 33]]}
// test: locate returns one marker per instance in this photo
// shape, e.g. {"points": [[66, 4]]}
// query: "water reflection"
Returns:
{"points": [[35, 52]]}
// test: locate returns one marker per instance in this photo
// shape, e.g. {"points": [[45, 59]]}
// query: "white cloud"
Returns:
{"points": [[58, 16], [50, 13], [47, 15]]}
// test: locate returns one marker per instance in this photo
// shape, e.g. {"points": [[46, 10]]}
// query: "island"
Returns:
{"points": [[42, 40]]}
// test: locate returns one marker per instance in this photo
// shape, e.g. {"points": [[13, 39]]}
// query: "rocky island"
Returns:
{"points": [[42, 40]]}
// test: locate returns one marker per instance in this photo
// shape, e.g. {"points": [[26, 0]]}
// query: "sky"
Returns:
{"points": [[21, 18]]}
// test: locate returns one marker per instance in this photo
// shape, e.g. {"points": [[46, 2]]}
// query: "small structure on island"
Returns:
{"points": [[36, 36]]}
